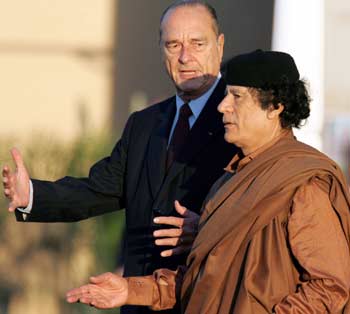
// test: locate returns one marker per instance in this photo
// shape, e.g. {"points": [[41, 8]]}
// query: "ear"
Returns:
{"points": [[273, 113], [221, 42]]}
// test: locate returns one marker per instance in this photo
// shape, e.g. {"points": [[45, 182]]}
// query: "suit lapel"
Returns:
{"points": [[157, 151], [208, 124]]}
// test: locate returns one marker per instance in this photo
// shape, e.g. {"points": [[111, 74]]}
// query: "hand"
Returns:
{"points": [[180, 237], [105, 291], [16, 184]]}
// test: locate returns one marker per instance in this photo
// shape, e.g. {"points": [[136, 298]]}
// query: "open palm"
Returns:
{"points": [[16, 183], [105, 291]]}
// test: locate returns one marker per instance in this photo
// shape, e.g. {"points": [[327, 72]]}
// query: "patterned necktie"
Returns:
{"points": [[181, 131]]}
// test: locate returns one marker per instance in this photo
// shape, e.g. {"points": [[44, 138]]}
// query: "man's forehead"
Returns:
{"points": [[179, 35], [186, 16], [236, 88], [187, 10]]}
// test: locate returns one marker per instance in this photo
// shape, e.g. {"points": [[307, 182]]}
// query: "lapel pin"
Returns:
{"points": [[210, 133]]}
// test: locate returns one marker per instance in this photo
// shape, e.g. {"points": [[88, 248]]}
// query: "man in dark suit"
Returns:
{"points": [[173, 150]]}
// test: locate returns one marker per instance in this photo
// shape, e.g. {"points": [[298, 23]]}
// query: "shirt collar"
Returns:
{"points": [[198, 104], [239, 160]]}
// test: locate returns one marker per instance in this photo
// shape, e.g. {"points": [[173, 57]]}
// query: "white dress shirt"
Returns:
{"points": [[196, 106]]}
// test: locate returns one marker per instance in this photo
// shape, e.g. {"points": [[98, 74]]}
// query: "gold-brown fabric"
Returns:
{"points": [[319, 246], [273, 238], [160, 291], [240, 261]]}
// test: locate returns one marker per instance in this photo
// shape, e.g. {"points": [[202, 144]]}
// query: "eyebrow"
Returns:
{"points": [[173, 41], [230, 89], [194, 39], [198, 39]]}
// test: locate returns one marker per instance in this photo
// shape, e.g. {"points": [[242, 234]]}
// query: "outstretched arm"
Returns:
{"points": [[109, 290], [71, 199]]}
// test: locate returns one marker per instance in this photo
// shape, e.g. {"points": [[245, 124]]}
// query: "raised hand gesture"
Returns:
{"points": [[16, 183]]}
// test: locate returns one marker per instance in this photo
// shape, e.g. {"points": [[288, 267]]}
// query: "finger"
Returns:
{"points": [[182, 210], [100, 278], [8, 182], [72, 299], [17, 158], [169, 220], [7, 192], [6, 171], [185, 212], [12, 203], [167, 241], [5, 181], [5, 168], [12, 207], [74, 292], [189, 228], [176, 251], [168, 233], [86, 299], [6, 177], [175, 241]]}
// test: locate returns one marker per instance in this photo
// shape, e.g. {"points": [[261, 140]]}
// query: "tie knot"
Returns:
{"points": [[185, 111]]}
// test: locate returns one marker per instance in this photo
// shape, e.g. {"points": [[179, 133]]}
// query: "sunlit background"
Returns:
{"points": [[71, 72]]}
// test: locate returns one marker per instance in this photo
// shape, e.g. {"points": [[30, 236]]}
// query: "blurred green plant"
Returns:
{"points": [[40, 262]]}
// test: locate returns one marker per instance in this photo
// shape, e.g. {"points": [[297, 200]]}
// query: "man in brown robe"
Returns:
{"points": [[275, 228]]}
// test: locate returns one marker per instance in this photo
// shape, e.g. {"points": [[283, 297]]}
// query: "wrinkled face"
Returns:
{"points": [[191, 50], [246, 124]]}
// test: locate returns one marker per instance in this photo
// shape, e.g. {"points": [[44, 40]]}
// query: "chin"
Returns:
{"points": [[229, 139], [191, 85]]}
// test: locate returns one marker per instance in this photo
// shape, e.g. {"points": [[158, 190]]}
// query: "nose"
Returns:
{"points": [[185, 54], [221, 106], [224, 105]]}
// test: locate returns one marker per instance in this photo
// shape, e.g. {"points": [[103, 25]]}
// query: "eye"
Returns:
{"points": [[198, 44], [236, 95], [172, 46]]}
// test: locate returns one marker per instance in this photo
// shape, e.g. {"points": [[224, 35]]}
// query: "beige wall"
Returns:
{"points": [[337, 57], [55, 58]]}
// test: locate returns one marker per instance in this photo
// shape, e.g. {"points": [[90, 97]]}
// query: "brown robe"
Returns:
{"points": [[241, 261]]}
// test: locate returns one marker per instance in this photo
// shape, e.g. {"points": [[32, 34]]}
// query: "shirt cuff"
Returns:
{"points": [[140, 290], [28, 209]]}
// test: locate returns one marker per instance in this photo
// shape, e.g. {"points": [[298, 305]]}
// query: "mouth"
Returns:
{"points": [[228, 124], [188, 73]]}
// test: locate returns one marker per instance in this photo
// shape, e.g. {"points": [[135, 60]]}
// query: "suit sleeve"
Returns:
{"points": [[74, 199], [319, 245]]}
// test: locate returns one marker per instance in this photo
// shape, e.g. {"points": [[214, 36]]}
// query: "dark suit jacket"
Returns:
{"points": [[134, 178]]}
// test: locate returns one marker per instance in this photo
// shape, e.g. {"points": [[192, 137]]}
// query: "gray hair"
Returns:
{"points": [[191, 3]]}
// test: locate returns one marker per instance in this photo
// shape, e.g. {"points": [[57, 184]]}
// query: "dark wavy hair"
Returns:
{"points": [[293, 96]]}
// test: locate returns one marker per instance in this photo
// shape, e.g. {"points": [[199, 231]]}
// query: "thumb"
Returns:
{"points": [[100, 278], [182, 210], [17, 158]]}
